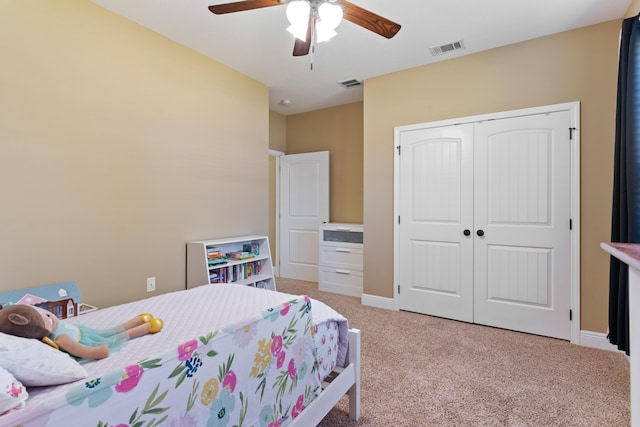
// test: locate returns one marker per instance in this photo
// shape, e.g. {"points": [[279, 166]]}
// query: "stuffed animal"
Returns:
{"points": [[34, 322]]}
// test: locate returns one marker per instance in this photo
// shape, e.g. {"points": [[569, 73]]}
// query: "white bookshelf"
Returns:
{"points": [[256, 270]]}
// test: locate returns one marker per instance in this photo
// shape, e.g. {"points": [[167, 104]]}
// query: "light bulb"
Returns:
{"points": [[298, 12], [299, 31], [323, 32], [298, 15], [330, 14]]}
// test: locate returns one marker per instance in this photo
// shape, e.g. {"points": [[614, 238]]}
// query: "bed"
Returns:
{"points": [[228, 355]]}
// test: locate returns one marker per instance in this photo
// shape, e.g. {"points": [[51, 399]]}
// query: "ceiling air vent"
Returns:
{"points": [[350, 83], [446, 48]]}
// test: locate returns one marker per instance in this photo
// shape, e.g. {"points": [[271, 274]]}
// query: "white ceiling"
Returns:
{"points": [[256, 42]]}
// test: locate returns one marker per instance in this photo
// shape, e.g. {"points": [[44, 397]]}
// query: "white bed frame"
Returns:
{"points": [[342, 381]]}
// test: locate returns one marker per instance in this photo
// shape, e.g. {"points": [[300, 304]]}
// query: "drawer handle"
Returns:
{"points": [[342, 271], [346, 251], [343, 229]]}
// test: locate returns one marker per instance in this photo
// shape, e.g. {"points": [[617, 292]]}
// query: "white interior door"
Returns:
{"points": [[304, 205], [522, 205], [484, 233], [436, 204]]}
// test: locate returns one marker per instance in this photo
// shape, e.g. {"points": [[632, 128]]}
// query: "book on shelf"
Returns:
{"points": [[214, 277], [239, 255], [212, 251], [216, 262], [219, 275], [215, 256], [253, 248]]}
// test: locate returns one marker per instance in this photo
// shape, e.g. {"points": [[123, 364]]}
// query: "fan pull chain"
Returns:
{"points": [[313, 38]]}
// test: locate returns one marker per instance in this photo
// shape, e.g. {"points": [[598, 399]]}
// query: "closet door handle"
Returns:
{"points": [[480, 233], [467, 232]]}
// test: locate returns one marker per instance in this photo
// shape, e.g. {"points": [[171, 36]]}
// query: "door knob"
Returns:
{"points": [[480, 233], [466, 232]]}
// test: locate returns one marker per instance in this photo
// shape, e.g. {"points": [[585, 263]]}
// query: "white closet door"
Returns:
{"points": [[436, 205], [522, 205], [508, 182]]}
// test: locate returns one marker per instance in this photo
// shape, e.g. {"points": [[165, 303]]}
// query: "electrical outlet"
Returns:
{"points": [[151, 284]]}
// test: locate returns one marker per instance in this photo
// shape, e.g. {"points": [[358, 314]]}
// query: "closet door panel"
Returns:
{"points": [[522, 205], [436, 257], [518, 177]]}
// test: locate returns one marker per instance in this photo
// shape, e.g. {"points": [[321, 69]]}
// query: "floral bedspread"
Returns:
{"points": [[327, 341], [258, 372]]}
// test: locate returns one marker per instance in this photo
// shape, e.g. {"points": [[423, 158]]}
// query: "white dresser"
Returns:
{"points": [[340, 258]]}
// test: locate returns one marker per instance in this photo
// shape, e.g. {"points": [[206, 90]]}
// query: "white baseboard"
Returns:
{"points": [[596, 340], [379, 302]]}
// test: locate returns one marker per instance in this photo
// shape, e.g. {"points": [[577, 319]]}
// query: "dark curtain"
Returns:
{"points": [[625, 223]]}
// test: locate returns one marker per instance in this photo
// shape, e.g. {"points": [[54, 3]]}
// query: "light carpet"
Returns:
{"points": [[420, 370]]}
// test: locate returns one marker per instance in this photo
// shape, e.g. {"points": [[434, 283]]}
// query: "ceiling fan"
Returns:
{"points": [[309, 17]]}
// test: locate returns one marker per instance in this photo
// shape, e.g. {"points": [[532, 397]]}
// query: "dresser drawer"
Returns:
{"points": [[341, 257], [341, 235], [341, 281]]}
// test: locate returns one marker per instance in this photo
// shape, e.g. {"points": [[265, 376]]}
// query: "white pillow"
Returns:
{"points": [[12, 393], [35, 363]]}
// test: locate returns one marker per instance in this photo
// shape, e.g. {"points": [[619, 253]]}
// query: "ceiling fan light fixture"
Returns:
{"points": [[298, 12], [298, 16], [323, 32], [307, 18], [298, 31], [330, 15]]}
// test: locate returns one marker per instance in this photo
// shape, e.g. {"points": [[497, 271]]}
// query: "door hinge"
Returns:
{"points": [[398, 147], [570, 315], [398, 219], [398, 289], [571, 130], [570, 224]]}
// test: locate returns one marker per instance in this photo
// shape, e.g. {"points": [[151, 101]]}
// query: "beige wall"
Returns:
{"points": [[117, 146], [634, 9], [579, 65], [277, 131], [338, 130]]}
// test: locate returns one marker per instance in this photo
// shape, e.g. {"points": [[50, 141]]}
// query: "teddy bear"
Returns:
{"points": [[34, 322]]}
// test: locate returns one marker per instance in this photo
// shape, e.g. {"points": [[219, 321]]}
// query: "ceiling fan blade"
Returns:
{"points": [[369, 20], [301, 48], [240, 6]]}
